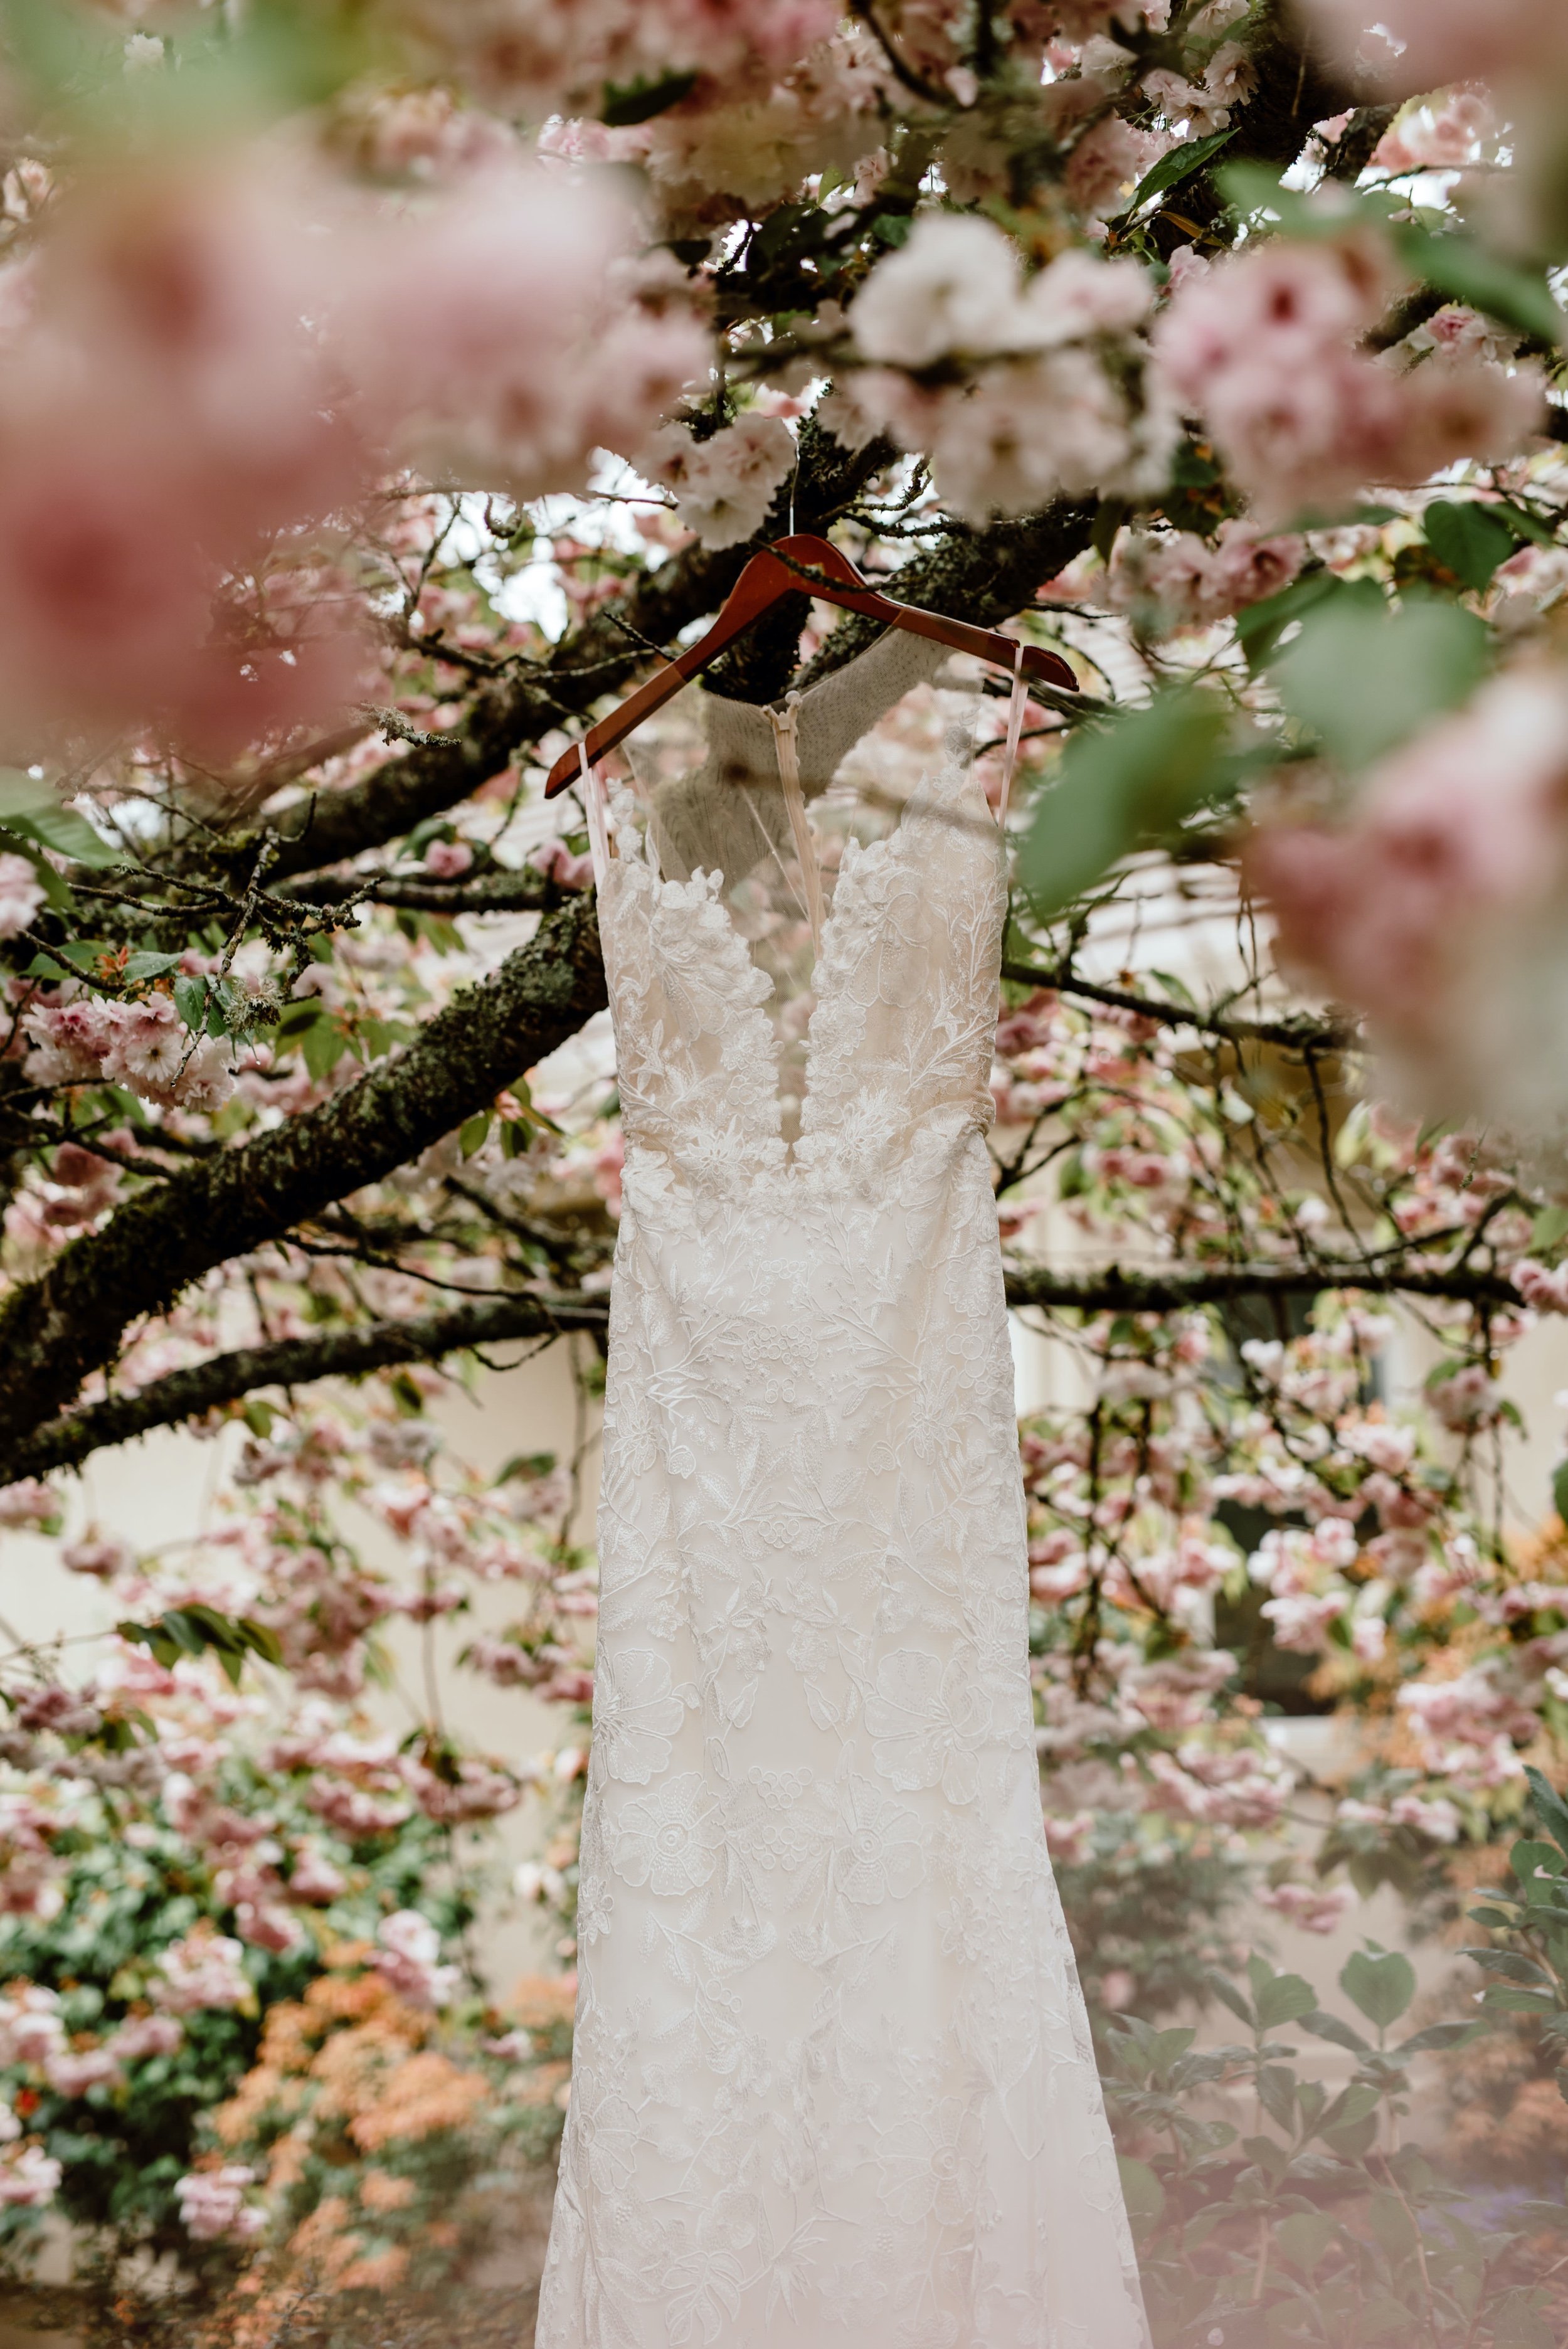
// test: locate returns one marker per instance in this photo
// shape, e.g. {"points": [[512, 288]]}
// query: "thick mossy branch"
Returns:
{"points": [[59, 1328], [66, 1441], [982, 575]]}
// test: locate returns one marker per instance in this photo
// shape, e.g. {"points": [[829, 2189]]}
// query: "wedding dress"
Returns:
{"points": [[833, 2080]]}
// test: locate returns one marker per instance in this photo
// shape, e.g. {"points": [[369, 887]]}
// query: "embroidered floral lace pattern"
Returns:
{"points": [[833, 2078]]}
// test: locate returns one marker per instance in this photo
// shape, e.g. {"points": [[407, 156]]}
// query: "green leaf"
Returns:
{"points": [[1285, 1998], [1549, 1229], [1548, 1807], [1528, 1857], [625, 104], [1472, 540], [1503, 1998], [1303, 2237], [196, 1628], [1354, 2105], [1363, 682], [1438, 2038], [1259, 627], [1560, 1490], [1225, 1991], [190, 1001], [521, 1094], [28, 806], [1520, 297], [1382, 1986], [1251, 188], [259, 1639], [471, 1133], [323, 1044], [1121, 782], [1141, 2191], [1276, 2094], [296, 1017], [1178, 165], [1510, 1963], [1330, 2027], [146, 964], [1390, 2222]]}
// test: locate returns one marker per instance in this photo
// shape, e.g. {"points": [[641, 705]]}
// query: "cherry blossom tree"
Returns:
{"points": [[383, 391]]}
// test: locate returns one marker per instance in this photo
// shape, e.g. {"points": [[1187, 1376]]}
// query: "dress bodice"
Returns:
{"points": [[899, 1035]]}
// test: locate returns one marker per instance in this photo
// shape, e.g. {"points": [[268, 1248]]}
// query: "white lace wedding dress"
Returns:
{"points": [[833, 2080]]}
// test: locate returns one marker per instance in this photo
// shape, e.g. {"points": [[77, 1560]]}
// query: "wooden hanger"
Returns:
{"points": [[799, 565]]}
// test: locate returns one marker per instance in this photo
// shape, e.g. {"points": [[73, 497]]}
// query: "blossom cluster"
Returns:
{"points": [[1266, 346], [1048, 402]]}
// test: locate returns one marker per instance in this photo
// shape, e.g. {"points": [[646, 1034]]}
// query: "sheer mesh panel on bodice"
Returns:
{"points": [[833, 2078]]}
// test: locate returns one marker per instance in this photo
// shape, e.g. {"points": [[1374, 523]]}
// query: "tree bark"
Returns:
{"points": [[68, 1322], [66, 1441]]}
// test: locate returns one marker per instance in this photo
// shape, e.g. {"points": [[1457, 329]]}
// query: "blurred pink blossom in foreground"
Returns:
{"points": [[1418, 45], [205, 361], [1434, 908], [1265, 346]]}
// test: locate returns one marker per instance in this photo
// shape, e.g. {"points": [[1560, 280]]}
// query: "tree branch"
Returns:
{"points": [[66, 1441], [1114, 1290], [505, 892], [1299, 1035], [68, 1322], [984, 575]]}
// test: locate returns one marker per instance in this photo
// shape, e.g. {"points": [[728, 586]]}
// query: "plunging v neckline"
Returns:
{"points": [[735, 949]]}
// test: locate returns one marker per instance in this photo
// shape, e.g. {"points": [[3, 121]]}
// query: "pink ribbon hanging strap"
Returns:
{"points": [[598, 826], [784, 723], [1015, 709]]}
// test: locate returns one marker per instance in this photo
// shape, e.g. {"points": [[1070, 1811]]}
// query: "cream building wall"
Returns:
{"points": [[162, 1491]]}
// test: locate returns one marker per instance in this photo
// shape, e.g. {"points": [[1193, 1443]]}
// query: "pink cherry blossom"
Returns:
{"points": [[162, 415], [1300, 1619], [1422, 909], [558, 863], [30, 2027], [203, 1969], [27, 1504], [21, 894], [30, 2177], [1437, 1819], [952, 286], [72, 2074], [141, 2035], [448, 858], [212, 2206], [498, 339], [1313, 1908], [1263, 347], [723, 486], [541, 55], [313, 1877], [407, 1959], [1069, 1839]]}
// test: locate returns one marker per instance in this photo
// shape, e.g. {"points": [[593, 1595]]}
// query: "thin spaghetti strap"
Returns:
{"points": [[593, 803], [784, 723], [1015, 709]]}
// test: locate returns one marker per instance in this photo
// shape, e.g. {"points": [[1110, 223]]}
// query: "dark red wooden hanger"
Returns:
{"points": [[801, 565]]}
